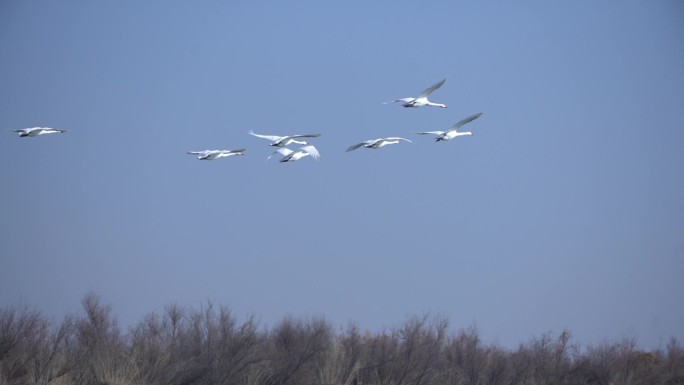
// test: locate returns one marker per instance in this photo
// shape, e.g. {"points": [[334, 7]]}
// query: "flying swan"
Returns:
{"points": [[291, 156], [452, 132], [422, 99], [377, 143], [282, 141], [215, 154], [36, 131]]}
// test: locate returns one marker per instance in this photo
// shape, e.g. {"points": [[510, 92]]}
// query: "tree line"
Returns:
{"points": [[180, 346]]}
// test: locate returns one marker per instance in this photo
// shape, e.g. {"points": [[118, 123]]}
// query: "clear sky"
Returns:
{"points": [[565, 209]]}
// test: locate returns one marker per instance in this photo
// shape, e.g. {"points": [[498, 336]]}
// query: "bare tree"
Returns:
{"points": [[102, 357], [49, 358], [596, 365], [407, 355], [150, 351], [497, 370], [341, 362], [208, 346], [382, 357], [295, 345], [422, 340], [675, 363], [464, 358], [20, 330], [238, 348]]}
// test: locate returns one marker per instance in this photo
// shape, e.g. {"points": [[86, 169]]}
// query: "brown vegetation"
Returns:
{"points": [[208, 346]]}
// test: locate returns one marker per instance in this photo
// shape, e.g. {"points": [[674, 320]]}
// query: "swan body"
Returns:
{"points": [[215, 154], [453, 132], [282, 141], [377, 143], [37, 131], [291, 156], [422, 99]]}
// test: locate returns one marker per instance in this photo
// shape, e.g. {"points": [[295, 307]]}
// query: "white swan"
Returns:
{"points": [[215, 154], [282, 141], [36, 131], [452, 132], [377, 143], [291, 156], [422, 99]]}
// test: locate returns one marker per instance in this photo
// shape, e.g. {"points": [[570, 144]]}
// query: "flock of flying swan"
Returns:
{"points": [[307, 149]]}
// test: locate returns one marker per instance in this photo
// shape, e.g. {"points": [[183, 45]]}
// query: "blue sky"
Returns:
{"points": [[563, 210]]}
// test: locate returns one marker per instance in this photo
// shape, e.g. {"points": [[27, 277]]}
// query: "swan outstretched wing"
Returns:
{"points": [[303, 136], [272, 138], [430, 89], [405, 100], [282, 151], [227, 153], [205, 154], [358, 145], [311, 150], [465, 121], [398, 138], [430, 132]]}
